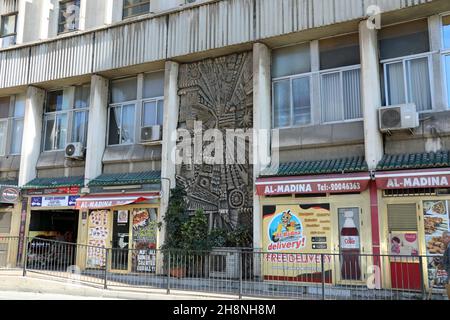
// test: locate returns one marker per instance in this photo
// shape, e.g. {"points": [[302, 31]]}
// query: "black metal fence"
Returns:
{"points": [[235, 272]]}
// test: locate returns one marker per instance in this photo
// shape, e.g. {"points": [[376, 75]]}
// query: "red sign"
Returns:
{"points": [[109, 201], [313, 184], [61, 190], [413, 179]]}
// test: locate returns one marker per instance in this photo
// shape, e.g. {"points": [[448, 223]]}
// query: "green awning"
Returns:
{"points": [[404, 161], [120, 179], [59, 182], [332, 166], [9, 182]]}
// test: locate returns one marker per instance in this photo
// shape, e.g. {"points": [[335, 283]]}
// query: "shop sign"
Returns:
{"points": [[411, 180], [9, 195], [54, 201], [62, 190], [298, 234], [270, 187]]}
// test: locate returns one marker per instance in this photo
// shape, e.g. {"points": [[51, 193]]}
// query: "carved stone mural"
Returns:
{"points": [[219, 94]]}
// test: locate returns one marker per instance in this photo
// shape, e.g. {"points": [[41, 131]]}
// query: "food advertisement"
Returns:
{"points": [[436, 222], [145, 228], [294, 237], [98, 235], [404, 243]]}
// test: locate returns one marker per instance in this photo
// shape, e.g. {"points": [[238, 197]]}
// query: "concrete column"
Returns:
{"points": [[262, 110], [168, 168], [437, 69], [32, 134], [371, 94], [315, 83], [98, 118]]}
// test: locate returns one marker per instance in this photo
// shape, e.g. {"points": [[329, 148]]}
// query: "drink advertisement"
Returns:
{"points": [[294, 237], [436, 222], [98, 235], [145, 227], [404, 244]]}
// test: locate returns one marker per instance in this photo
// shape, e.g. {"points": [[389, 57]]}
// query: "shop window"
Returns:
{"points": [[69, 105], [69, 15], [404, 51], [5, 222], [133, 8], [8, 29], [12, 112]]}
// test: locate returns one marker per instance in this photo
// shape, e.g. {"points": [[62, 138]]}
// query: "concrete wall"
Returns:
{"points": [[131, 158]]}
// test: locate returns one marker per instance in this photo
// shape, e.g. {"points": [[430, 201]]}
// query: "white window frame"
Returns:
{"points": [[70, 119], [291, 80], [142, 2], [340, 70], [64, 2], [10, 126], [14, 34], [13, 119], [445, 52], [404, 60], [149, 100], [4, 152], [121, 105]]}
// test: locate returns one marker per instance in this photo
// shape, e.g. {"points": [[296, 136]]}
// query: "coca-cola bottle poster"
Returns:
{"points": [[296, 236], [350, 243]]}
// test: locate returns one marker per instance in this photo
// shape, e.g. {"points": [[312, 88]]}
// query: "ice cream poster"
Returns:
{"points": [[294, 237]]}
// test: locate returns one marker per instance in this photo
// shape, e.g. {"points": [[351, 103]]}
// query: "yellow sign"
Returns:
{"points": [[295, 239]]}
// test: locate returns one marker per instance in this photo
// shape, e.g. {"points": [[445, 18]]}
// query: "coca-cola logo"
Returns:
{"points": [[10, 195]]}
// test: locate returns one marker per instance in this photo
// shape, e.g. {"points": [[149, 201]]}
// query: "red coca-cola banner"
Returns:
{"points": [[343, 183], [435, 178]]}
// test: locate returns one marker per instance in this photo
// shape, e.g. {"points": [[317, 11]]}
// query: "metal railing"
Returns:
{"points": [[236, 272], [10, 254]]}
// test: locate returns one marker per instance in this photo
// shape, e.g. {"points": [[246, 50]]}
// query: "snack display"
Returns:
{"points": [[435, 224], [140, 218], [435, 208], [435, 245]]}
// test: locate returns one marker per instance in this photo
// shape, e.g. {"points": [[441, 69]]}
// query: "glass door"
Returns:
{"points": [[120, 240]]}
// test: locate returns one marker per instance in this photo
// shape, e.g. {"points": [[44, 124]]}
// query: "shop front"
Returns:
{"points": [[316, 223], [127, 223], [414, 206], [9, 224], [51, 221]]}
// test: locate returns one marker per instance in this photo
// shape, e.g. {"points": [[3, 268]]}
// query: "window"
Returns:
{"points": [[406, 64], [69, 15], [133, 8], [60, 111], [5, 222], [131, 108], [446, 47], [12, 111], [340, 86], [291, 68], [8, 29]]}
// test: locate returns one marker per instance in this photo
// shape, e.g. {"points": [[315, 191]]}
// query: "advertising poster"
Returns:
{"points": [[145, 227], [404, 244], [294, 237], [436, 222], [98, 235]]}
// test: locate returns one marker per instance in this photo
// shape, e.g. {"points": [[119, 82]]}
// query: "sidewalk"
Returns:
{"points": [[39, 286]]}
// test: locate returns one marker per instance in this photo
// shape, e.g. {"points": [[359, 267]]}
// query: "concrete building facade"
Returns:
{"points": [[103, 75]]}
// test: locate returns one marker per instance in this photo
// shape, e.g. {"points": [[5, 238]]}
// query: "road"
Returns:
{"points": [[14, 295]]}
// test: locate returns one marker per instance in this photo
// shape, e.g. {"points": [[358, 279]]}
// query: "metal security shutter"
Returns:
{"points": [[402, 217]]}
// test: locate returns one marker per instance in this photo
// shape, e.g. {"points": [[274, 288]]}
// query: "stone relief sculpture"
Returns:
{"points": [[219, 94]]}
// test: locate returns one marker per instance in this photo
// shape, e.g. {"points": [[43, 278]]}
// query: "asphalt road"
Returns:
{"points": [[8, 295]]}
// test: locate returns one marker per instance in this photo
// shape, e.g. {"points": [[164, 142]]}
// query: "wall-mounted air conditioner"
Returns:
{"points": [[398, 117]]}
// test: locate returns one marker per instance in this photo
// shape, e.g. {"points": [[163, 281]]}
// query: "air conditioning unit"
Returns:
{"points": [[151, 134], [75, 150], [398, 117]]}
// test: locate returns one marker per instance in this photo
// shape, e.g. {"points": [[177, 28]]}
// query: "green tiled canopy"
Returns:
{"points": [[346, 165], [438, 159], [8, 183], [60, 182], [118, 179]]}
